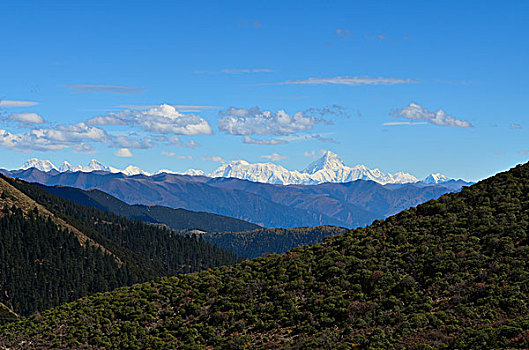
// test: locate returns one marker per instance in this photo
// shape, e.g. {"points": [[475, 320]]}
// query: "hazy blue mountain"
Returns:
{"points": [[178, 219], [350, 204]]}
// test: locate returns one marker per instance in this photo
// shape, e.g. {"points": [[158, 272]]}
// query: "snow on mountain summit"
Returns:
{"points": [[42, 165], [435, 178], [329, 161], [328, 168]]}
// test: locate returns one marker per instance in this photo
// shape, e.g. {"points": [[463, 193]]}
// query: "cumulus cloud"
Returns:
{"points": [[123, 152], [25, 117], [163, 123], [349, 80], [274, 157], [416, 112], [113, 89], [73, 136], [253, 121], [162, 119], [515, 126], [13, 103]]}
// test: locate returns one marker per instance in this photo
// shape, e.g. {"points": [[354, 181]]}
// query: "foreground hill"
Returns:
{"points": [[53, 250], [452, 272], [350, 204], [177, 219]]}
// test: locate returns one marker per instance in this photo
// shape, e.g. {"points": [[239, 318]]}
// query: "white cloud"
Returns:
{"points": [[73, 136], [192, 144], [268, 142], [253, 121], [416, 112], [114, 89], [174, 155], [274, 157], [25, 117], [213, 159], [176, 106], [108, 120], [123, 152], [405, 123], [13, 103], [323, 139], [163, 119], [343, 33], [515, 126], [349, 80], [128, 142], [168, 154]]}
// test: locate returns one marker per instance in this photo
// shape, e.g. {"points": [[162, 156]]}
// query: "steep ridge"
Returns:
{"points": [[177, 219], [450, 273], [53, 250]]}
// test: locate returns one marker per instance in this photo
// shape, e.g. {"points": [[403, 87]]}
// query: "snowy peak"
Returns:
{"points": [[134, 170], [257, 172], [42, 165], [435, 178], [328, 168], [329, 161], [94, 165]]}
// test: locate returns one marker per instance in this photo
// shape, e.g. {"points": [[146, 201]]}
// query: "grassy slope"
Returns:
{"points": [[450, 273]]}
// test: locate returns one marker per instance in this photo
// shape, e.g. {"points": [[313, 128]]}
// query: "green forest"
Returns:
{"points": [[44, 265], [450, 273], [255, 243]]}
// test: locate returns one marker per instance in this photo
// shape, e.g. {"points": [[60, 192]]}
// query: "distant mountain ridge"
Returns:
{"points": [[350, 204], [176, 219], [328, 168]]}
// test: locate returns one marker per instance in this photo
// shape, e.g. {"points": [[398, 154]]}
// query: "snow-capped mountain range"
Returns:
{"points": [[328, 168]]}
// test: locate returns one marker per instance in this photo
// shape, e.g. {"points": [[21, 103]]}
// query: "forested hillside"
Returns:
{"points": [[255, 243], [451, 273], [53, 250]]}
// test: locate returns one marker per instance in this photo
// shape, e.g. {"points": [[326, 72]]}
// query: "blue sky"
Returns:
{"points": [[322, 76]]}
